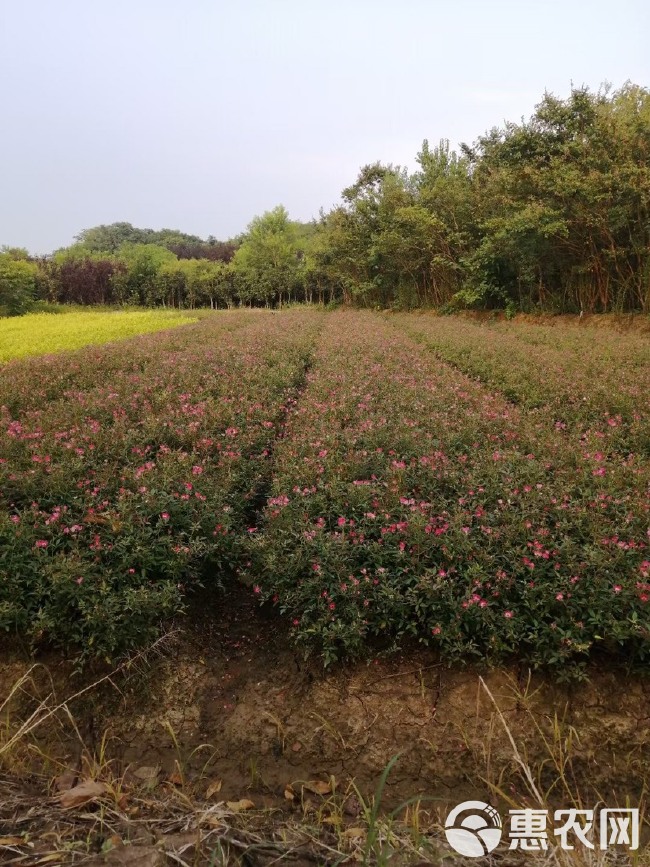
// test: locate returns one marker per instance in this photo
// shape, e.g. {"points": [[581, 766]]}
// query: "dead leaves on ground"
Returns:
{"points": [[213, 788], [314, 787], [318, 787], [82, 793], [239, 806]]}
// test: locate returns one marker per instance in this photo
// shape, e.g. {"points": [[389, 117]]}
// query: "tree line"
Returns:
{"points": [[552, 213]]}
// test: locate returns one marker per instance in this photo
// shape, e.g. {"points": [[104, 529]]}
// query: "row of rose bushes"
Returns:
{"points": [[130, 472], [580, 378], [410, 501]]}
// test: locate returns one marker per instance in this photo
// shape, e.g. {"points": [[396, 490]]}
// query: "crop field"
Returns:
{"points": [[379, 480], [42, 333]]}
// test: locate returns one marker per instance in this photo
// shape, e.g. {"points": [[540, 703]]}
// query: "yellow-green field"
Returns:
{"points": [[42, 333]]}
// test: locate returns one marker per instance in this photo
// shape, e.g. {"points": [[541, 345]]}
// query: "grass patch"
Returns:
{"points": [[42, 333]]}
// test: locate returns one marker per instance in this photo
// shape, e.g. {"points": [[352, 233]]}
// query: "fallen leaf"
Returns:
{"points": [[296, 747], [354, 833], [318, 787], [12, 841], [50, 859], [213, 788], [65, 781], [289, 793], [88, 790], [238, 806], [175, 779], [147, 773], [214, 822]]}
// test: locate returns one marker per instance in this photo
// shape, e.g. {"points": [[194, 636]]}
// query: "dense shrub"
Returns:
{"points": [[410, 501], [369, 489], [129, 472]]}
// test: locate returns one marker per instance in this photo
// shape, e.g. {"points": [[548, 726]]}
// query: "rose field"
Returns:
{"points": [[479, 488], [248, 561]]}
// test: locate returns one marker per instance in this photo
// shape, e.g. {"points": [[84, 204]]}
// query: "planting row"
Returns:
{"points": [[130, 472], [408, 500], [579, 378]]}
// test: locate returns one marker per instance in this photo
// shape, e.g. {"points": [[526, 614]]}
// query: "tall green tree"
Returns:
{"points": [[268, 264], [17, 284], [564, 202]]}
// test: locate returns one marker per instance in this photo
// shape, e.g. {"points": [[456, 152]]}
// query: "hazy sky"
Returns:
{"points": [[199, 114]]}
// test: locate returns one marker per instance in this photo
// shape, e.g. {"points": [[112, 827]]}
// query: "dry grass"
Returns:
{"points": [[153, 818]]}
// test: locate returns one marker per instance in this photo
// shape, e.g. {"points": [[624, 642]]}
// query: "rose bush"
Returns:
{"points": [[130, 472], [408, 500]]}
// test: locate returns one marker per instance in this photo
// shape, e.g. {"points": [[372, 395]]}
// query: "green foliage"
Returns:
{"points": [[109, 239], [18, 253], [411, 502], [17, 283], [492, 505], [563, 205], [269, 262], [129, 472], [51, 328], [552, 214], [138, 284]]}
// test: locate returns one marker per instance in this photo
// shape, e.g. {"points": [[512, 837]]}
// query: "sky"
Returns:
{"points": [[200, 114]]}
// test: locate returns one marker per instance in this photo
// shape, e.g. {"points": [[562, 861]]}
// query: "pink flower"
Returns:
{"points": [[617, 588], [509, 614], [559, 596], [257, 589], [436, 630], [41, 543], [164, 516]]}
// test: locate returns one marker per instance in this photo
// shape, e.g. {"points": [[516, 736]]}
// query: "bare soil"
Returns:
{"points": [[231, 705]]}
